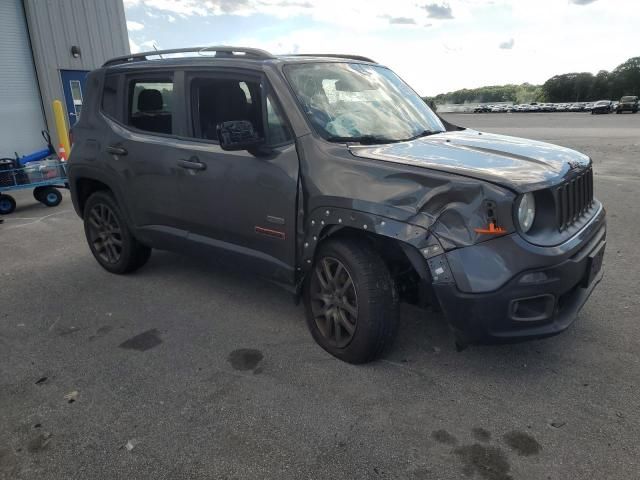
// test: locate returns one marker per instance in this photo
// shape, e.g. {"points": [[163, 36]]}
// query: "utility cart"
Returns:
{"points": [[45, 177]]}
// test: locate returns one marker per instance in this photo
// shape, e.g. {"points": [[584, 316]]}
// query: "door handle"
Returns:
{"points": [[115, 150], [192, 164]]}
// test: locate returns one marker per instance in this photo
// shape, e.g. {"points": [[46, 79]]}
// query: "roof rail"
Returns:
{"points": [[220, 51], [334, 55]]}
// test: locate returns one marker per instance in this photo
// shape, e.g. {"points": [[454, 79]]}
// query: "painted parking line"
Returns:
{"points": [[32, 221]]}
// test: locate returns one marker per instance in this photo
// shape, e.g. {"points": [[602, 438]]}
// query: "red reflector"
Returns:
{"points": [[270, 233]]}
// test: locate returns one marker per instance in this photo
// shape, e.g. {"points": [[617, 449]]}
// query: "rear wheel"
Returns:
{"points": [[351, 301], [50, 196], [7, 204], [110, 240]]}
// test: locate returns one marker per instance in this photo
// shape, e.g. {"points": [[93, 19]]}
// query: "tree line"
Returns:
{"points": [[568, 87]]}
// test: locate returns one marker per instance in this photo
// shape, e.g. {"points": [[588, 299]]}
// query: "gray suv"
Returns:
{"points": [[330, 176]]}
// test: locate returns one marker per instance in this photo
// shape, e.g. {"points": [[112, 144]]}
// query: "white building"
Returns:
{"points": [[46, 49]]}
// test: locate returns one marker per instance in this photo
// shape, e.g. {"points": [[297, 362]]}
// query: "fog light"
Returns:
{"points": [[532, 309], [534, 277]]}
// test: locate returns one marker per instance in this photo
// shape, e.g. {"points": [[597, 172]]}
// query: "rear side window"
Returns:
{"points": [[150, 105], [110, 104]]}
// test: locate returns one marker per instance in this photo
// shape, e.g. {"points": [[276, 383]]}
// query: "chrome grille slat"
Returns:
{"points": [[573, 198]]}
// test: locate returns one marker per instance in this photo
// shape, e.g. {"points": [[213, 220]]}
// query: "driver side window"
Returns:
{"points": [[216, 100], [277, 129]]}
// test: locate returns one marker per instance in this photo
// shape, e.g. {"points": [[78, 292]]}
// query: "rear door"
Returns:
{"points": [[240, 203], [141, 150]]}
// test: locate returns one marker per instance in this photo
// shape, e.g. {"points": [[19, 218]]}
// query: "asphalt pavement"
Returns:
{"points": [[188, 370]]}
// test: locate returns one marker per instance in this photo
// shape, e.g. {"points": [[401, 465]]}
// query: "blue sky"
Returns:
{"points": [[436, 46]]}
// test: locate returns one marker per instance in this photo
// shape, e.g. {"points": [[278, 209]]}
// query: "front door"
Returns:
{"points": [[241, 203], [73, 82]]}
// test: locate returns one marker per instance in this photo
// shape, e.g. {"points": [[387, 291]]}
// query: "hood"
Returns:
{"points": [[516, 163]]}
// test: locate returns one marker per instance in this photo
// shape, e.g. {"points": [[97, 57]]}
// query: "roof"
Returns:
{"points": [[205, 55]]}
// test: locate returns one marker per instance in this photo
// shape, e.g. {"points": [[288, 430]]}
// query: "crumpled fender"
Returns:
{"points": [[455, 211], [321, 222]]}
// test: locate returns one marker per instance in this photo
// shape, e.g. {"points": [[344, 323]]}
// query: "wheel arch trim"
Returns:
{"points": [[80, 173], [324, 222]]}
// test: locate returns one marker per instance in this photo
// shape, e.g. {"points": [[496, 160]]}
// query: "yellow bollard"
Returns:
{"points": [[61, 126]]}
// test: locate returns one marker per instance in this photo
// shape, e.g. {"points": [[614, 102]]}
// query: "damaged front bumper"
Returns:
{"points": [[507, 289]]}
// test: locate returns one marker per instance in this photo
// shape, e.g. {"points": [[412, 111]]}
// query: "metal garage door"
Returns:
{"points": [[21, 118]]}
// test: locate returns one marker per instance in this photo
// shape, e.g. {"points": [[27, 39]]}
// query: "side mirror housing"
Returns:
{"points": [[238, 135]]}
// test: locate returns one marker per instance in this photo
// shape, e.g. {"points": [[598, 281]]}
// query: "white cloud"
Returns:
{"points": [[149, 45], [134, 26], [133, 46], [552, 36], [370, 13], [508, 45]]}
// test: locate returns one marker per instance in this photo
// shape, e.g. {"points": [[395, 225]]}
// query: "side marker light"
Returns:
{"points": [[492, 230]]}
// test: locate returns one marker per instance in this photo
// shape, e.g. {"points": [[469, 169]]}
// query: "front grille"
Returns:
{"points": [[573, 198]]}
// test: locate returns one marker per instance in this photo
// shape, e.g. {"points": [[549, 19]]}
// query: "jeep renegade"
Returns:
{"points": [[329, 175]]}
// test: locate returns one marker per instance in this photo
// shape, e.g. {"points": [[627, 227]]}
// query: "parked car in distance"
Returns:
{"points": [[628, 103], [330, 176], [603, 106]]}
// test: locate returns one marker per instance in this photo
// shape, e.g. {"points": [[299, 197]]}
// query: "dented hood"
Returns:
{"points": [[516, 163]]}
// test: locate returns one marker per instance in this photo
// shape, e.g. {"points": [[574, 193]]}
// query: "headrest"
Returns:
{"points": [[149, 100], [230, 92]]}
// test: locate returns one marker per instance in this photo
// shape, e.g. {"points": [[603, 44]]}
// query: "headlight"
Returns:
{"points": [[526, 211]]}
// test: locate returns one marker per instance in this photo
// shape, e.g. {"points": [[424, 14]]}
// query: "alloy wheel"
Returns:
{"points": [[105, 233], [334, 302]]}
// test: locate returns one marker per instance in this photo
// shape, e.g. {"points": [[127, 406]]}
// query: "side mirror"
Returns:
{"points": [[238, 135]]}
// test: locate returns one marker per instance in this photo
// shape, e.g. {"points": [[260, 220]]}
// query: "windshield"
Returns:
{"points": [[628, 99], [360, 103]]}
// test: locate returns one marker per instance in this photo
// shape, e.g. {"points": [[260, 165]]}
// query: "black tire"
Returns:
{"points": [[372, 295], [49, 196], [7, 204], [37, 193], [109, 238]]}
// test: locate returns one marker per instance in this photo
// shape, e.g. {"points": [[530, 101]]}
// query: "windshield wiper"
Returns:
{"points": [[424, 133], [363, 139]]}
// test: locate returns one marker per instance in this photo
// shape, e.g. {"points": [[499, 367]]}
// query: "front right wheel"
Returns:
{"points": [[351, 301]]}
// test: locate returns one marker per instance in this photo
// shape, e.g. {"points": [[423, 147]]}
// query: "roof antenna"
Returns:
{"points": [[156, 49]]}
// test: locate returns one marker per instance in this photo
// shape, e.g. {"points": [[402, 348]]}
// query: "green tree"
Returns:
{"points": [[568, 87], [626, 78], [601, 86]]}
